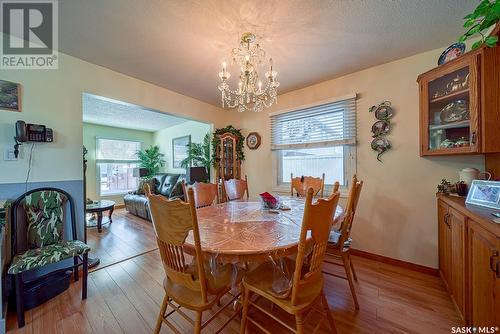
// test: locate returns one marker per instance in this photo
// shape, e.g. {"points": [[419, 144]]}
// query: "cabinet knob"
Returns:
{"points": [[473, 138]]}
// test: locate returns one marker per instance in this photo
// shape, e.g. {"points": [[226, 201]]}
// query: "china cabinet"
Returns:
{"points": [[460, 105], [228, 165]]}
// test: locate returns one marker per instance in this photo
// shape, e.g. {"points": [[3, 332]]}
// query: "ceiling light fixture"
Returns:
{"points": [[251, 94]]}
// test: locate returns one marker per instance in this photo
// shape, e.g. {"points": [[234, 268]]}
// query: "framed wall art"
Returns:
{"points": [[10, 96], [180, 147]]}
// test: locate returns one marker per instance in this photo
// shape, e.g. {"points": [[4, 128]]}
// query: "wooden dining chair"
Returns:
{"points": [[307, 282], [302, 183], [339, 243], [188, 285], [234, 189], [205, 194]]}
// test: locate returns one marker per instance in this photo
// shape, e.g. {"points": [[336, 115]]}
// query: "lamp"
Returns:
{"points": [[196, 174], [140, 172]]}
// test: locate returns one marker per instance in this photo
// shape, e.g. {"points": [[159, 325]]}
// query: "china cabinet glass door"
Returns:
{"points": [[450, 103]]}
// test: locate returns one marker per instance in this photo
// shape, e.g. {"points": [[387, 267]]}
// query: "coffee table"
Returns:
{"points": [[98, 208]]}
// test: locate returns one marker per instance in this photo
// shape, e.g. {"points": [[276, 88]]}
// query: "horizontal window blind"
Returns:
{"points": [[327, 124], [115, 150]]}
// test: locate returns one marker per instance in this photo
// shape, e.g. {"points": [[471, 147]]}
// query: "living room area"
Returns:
{"points": [[125, 146], [250, 166]]}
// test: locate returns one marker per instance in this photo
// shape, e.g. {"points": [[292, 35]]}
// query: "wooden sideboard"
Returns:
{"points": [[469, 259]]}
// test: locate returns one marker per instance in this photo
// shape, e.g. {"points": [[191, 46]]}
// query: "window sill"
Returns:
{"points": [[285, 190], [116, 194]]}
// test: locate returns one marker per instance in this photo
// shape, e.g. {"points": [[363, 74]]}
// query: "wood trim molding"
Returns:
{"points": [[399, 263]]}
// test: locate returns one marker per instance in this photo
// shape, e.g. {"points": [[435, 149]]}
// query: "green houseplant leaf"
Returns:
{"points": [[199, 154], [486, 15], [152, 159]]}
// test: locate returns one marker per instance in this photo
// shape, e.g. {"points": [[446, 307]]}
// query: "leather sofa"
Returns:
{"points": [[166, 184]]}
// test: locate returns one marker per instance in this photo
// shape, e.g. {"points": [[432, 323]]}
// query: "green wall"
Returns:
{"points": [[93, 131], [163, 138]]}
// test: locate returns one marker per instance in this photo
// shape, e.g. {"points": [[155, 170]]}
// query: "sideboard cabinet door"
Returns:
{"points": [[484, 248]]}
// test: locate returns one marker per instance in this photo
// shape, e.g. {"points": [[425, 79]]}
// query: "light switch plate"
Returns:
{"points": [[9, 154]]}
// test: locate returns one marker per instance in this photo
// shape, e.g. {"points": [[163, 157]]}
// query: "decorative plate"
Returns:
{"points": [[455, 111], [452, 52], [383, 111], [253, 140], [381, 145], [380, 128]]}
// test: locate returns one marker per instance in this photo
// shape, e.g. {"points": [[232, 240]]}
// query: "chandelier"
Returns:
{"points": [[251, 93]]}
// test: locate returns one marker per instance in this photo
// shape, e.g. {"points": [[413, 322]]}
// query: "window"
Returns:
{"points": [[314, 140], [116, 160]]}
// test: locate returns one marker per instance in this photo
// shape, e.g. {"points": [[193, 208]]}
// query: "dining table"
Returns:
{"points": [[245, 231]]}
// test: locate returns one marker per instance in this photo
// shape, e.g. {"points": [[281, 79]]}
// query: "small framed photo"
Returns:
{"points": [[10, 96], [180, 148], [484, 193]]}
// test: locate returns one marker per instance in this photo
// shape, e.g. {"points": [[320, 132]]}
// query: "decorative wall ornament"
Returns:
{"points": [[383, 113], [253, 140]]}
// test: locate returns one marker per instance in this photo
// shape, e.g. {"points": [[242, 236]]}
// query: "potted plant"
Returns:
{"points": [[486, 14], [199, 154], [151, 159]]}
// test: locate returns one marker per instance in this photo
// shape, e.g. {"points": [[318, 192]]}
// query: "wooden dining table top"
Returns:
{"points": [[245, 231]]}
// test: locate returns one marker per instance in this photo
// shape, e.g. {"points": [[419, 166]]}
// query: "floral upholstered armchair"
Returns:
{"points": [[38, 240]]}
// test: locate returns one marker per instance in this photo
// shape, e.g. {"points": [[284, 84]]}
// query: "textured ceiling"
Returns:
{"points": [[180, 44], [104, 111]]}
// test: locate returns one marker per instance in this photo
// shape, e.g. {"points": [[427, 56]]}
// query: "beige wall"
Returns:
{"points": [[397, 211], [163, 138], [93, 131]]}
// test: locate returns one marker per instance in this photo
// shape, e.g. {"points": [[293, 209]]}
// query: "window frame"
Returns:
{"points": [[350, 155], [111, 161]]}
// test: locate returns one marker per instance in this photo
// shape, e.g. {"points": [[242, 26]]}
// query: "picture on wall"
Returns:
{"points": [[180, 148], [10, 96]]}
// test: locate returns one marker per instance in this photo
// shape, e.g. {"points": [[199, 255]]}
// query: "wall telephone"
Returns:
{"points": [[31, 132]]}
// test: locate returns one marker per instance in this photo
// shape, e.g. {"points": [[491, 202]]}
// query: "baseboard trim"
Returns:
{"points": [[395, 262]]}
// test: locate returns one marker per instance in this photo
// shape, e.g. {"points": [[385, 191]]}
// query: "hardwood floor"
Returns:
{"points": [[125, 297], [126, 237]]}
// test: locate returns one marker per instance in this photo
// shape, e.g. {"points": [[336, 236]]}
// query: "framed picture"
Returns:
{"points": [[484, 193], [180, 147], [10, 96]]}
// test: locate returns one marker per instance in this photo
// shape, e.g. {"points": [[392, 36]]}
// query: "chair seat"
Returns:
{"points": [[218, 285], [260, 281], [334, 239], [39, 257], [217, 279]]}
